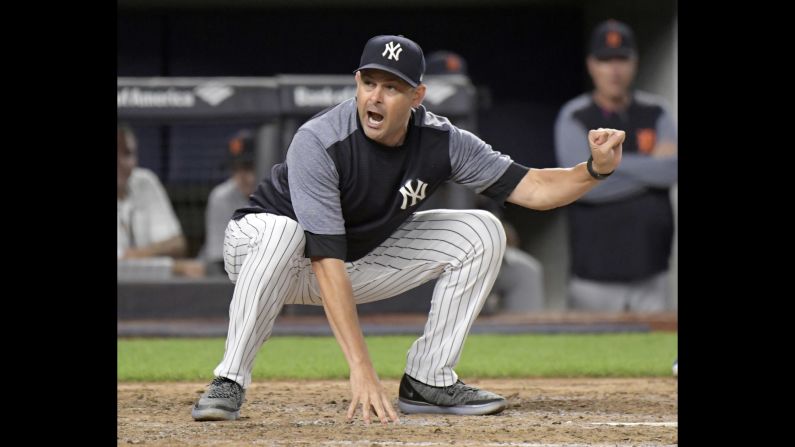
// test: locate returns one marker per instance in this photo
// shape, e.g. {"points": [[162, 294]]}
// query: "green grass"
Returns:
{"points": [[484, 356]]}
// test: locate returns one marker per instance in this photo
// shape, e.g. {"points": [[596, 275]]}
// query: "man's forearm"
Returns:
{"points": [[544, 189], [337, 295], [174, 247]]}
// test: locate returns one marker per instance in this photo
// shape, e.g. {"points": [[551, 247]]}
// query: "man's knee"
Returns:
{"points": [[488, 228], [250, 248]]}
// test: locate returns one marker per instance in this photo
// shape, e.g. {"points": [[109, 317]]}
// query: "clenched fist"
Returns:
{"points": [[606, 149]]}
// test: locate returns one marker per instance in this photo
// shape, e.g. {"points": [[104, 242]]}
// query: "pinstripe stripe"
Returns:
{"points": [[305, 294], [434, 316], [244, 290], [251, 295], [496, 262], [284, 276], [451, 342], [430, 249], [262, 331], [232, 332], [472, 311], [459, 298], [431, 341], [431, 344], [235, 299], [396, 286], [262, 289], [232, 233]]}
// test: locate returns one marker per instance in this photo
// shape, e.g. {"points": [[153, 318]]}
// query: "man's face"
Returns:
{"points": [[126, 158], [384, 104], [612, 77], [245, 179]]}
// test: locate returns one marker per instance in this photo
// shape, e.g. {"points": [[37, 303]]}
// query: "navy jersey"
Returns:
{"points": [[622, 230], [350, 193]]}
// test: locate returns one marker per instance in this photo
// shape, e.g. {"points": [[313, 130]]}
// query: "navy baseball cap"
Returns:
{"points": [[241, 149], [612, 38], [395, 54], [445, 62]]}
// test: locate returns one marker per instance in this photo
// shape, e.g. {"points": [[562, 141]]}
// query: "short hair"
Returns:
{"points": [[127, 132]]}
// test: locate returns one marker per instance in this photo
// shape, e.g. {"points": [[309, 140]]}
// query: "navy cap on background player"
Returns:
{"points": [[241, 150], [395, 54], [612, 38], [445, 62]]}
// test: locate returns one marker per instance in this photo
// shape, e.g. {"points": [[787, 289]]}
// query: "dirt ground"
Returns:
{"points": [[541, 412]]}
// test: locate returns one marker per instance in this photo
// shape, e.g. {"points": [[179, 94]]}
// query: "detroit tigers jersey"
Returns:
{"points": [[350, 193], [622, 230]]}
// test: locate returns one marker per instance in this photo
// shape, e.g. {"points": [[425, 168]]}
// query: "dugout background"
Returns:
{"points": [[526, 58]]}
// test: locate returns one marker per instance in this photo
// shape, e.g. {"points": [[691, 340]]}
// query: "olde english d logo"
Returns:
{"points": [[647, 138], [416, 194]]}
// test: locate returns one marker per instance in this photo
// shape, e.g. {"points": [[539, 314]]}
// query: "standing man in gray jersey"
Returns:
{"points": [[339, 228], [620, 233]]}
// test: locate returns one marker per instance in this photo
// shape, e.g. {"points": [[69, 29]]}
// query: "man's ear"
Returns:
{"points": [[590, 63], [419, 95]]}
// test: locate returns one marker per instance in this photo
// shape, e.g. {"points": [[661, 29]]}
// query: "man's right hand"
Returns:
{"points": [[368, 391], [606, 149], [337, 295]]}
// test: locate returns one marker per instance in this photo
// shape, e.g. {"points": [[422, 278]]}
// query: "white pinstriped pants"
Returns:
{"points": [[264, 257]]}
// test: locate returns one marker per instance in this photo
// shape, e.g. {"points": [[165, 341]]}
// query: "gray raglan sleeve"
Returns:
{"points": [[571, 148], [480, 168], [315, 195]]}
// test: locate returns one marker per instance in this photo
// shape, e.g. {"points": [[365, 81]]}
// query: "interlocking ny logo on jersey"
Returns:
{"points": [[394, 51], [416, 194]]}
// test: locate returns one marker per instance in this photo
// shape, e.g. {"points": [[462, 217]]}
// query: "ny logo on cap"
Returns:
{"points": [[394, 51]]}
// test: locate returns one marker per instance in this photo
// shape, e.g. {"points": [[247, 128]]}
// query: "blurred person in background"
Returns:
{"points": [[445, 62], [621, 231], [228, 196], [146, 224]]}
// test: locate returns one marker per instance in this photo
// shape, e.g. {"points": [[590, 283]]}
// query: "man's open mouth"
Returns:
{"points": [[374, 118]]}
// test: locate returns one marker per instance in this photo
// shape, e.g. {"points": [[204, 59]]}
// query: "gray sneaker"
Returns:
{"points": [[221, 401], [458, 398]]}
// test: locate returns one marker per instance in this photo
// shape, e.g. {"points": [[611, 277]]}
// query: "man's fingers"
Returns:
{"points": [[379, 410], [366, 410], [598, 136], [389, 409], [617, 138], [601, 136], [373, 401], [352, 408]]}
